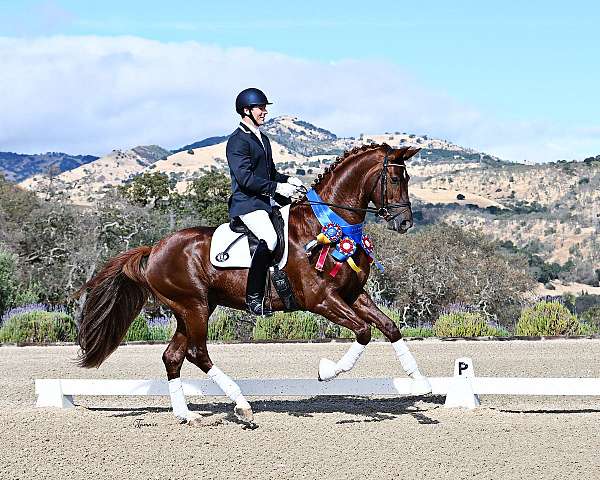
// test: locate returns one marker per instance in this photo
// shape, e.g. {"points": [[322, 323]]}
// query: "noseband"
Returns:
{"points": [[385, 211]]}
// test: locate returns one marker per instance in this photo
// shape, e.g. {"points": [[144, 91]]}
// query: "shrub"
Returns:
{"points": [[12, 293], [287, 326], [465, 324], [29, 308], [222, 326], [591, 318], [442, 264], [417, 332], [138, 330], [396, 316], [585, 302], [160, 329], [547, 318], [38, 326], [8, 283]]}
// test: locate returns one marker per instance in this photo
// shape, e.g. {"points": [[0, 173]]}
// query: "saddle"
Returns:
{"points": [[233, 244]]}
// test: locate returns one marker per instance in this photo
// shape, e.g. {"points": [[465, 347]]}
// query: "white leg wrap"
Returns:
{"points": [[408, 362], [347, 362], [329, 369], [229, 387], [178, 402]]}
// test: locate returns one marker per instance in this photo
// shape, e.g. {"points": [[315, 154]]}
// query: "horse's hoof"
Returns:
{"points": [[420, 386], [327, 370], [195, 422], [244, 414], [193, 419]]}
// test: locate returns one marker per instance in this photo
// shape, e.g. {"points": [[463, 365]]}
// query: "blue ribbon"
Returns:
{"points": [[325, 215]]}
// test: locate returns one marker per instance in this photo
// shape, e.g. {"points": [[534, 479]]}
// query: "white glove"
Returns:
{"points": [[295, 181], [286, 189]]}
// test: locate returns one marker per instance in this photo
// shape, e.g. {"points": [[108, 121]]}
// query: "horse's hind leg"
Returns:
{"points": [[173, 358], [338, 311], [196, 319]]}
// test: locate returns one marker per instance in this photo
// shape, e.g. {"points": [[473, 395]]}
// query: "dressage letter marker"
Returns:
{"points": [[461, 390]]}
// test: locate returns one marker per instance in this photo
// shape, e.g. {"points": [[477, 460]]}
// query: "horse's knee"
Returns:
{"points": [[391, 331], [173, 358], [199, 357]]}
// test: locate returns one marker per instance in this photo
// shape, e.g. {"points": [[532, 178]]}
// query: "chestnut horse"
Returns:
{"points": [[177, 271]]}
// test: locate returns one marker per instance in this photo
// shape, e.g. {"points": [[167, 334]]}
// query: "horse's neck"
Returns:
{"points": [[348, 185]]}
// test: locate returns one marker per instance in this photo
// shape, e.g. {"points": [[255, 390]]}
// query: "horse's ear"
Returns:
{"points": [[403, 153], [411, 152]]}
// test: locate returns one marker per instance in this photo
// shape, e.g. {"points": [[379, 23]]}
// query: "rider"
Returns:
{"points": [[254, 183]]}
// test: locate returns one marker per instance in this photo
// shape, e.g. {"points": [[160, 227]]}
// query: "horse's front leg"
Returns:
{"points": [[339, 312], [366, 309]]}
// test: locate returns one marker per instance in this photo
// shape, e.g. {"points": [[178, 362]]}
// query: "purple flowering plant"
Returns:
{"points": [[31, 307]]}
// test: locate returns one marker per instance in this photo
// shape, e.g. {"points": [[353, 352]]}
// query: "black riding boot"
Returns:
{"points": [[257, 275]]}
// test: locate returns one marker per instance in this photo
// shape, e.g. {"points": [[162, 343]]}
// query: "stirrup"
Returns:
{"points": [[256, 306], [264, 312]]}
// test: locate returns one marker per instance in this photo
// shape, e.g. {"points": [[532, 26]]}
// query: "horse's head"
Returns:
{"points": [[390, 189]]}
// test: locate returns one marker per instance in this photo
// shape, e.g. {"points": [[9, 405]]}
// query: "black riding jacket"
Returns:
{"points": [[253, 174]]}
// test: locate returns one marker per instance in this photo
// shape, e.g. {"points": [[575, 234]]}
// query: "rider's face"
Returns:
{"points": [[259, 113]]}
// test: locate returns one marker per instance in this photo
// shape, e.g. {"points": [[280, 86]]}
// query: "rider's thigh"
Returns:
{"points": [[260, 225]]}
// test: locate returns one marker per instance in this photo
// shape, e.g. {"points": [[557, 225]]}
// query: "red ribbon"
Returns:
{"points": [[322, 257], [335, 269]]}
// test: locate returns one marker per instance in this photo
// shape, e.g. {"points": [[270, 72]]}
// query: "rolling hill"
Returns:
{"points": [[551, 210]]}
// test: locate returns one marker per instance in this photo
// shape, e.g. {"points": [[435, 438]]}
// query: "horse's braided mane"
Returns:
{"points": [[348, 153]]}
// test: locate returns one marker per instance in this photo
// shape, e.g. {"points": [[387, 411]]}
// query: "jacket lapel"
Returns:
{"points": [[267, 145], [254, 137]]}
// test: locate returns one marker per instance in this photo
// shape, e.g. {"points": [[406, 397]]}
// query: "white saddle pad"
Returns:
{"points": [[239, 253]]}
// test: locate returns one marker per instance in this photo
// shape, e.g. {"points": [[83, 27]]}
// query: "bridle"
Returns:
{"points": [[385, 211]]}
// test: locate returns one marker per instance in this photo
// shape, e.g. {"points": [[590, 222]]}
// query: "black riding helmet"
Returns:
{"points": [[248, 98]]}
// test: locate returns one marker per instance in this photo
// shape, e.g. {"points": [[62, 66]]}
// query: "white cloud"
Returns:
{"points": [[92, 94]]}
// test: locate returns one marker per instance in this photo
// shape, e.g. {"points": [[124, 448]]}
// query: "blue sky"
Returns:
{"points": [[518, 79]]}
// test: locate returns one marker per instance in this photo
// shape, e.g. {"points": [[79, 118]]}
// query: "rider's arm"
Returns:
{"points": [[238, 157], [278, 177]]}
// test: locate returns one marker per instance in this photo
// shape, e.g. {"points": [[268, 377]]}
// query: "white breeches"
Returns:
{"points": [[259, 223]]}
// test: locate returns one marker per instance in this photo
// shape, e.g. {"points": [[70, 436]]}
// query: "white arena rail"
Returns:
{"points": [[461, 390]]}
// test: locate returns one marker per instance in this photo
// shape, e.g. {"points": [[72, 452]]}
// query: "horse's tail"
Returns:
{"points": [[115, 296]]}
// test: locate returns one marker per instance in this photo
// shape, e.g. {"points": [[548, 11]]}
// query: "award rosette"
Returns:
{"points": [[367, 244], [332, 231], [347, 246]]}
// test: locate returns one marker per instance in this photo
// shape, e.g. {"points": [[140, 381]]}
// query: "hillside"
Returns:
{"points": [[554, 207], [19, 166], [83, 184], [549, 210], [299, 148]]}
